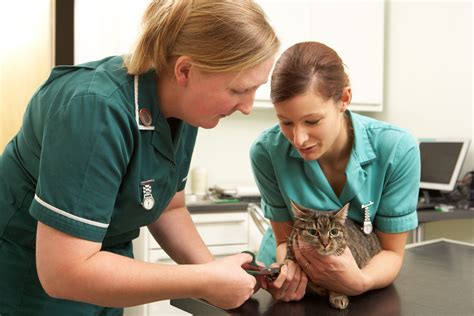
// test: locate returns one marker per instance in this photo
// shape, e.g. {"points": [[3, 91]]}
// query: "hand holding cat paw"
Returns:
{"points": [[290, 284]]}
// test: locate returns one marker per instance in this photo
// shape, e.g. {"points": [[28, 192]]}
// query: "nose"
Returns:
{"points": [[246, 103], [245, 107], [325, 243], [300, 136]]}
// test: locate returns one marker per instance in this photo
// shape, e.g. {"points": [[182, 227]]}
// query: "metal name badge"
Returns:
{"points": [[367, 228], [148, 200]]}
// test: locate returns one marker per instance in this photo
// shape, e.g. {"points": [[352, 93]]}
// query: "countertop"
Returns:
{"points": [[437, 278], [424, 216], [209, 206]]}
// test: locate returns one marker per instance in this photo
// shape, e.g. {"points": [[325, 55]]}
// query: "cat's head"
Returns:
{"points": [[323, 230]]}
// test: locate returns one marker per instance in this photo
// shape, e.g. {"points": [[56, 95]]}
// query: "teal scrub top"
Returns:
{"points": [[384, 167], [77, 165]]}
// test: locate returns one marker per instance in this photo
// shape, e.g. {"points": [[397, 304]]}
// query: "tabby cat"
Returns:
{"points": [[329, 232]]}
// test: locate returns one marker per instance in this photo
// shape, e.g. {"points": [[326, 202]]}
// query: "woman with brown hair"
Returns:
{"points": [[105, 149], [323, 156]]}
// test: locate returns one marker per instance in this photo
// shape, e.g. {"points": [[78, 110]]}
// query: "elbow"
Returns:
{"points": [[53, 284], [52, 288]]}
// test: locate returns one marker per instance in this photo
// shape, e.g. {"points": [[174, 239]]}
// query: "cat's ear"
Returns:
{"points": [[341, 215], [298, 210]]}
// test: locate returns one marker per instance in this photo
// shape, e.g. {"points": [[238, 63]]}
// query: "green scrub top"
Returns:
{"points": [[77, 165], [384, 167]]}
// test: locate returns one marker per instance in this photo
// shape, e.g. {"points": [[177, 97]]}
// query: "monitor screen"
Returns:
{"points": [[441, 162]]}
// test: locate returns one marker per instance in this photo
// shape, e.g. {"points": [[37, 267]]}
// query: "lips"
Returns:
{"points": [[307, 150]]}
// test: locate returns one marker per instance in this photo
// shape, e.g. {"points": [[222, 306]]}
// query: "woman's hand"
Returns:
{"points": [[290, 284], [227, 285], [336, 273]]}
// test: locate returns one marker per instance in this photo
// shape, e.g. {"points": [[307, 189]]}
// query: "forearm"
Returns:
{"points": [[281, 252], [282, 231], [107, 279], [382, 270], [184, 245], [384, 267]]}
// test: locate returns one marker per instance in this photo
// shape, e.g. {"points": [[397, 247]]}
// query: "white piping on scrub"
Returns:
{"points": [[137, 118], [68, 215]]}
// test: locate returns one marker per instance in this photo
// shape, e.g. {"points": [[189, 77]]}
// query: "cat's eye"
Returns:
{"points": [[333, 232], [313, 232]]}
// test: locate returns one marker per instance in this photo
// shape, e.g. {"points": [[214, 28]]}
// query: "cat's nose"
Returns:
{"points": [[325, 244]]}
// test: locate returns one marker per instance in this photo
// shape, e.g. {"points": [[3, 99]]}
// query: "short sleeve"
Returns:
{"points": [[86, 148], [397, 209], [272, 202]]}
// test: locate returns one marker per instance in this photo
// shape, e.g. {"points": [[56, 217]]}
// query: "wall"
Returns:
{"points": [[25, 61], [429, 81], [428, 90]]}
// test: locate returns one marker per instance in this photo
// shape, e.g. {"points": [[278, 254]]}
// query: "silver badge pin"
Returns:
{"points": [[367, 223], [148, 200], [145, 117]]}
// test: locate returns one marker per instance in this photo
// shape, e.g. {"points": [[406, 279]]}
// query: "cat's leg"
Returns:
{"points": [[338, 300], [313, 288], [290, 253]]}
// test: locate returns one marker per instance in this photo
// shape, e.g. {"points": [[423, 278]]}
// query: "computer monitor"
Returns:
{"points": [[441, 162]]}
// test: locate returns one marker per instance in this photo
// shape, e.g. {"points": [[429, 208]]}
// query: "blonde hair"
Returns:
{"points": [[219, 35]]}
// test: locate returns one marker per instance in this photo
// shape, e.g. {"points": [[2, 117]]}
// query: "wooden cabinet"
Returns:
{"points": [[354, 28]]}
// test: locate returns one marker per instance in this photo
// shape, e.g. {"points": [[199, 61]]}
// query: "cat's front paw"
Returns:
{"points": [[339, 301]]}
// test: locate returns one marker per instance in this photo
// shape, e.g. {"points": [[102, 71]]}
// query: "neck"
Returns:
{"points": [[338, 156], [167, 94]]}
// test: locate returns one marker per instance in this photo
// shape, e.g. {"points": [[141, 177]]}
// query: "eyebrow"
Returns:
{"points": [[308, 115], [253, 87]]}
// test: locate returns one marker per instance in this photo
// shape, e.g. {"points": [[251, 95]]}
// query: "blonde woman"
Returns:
{"points": [[105, 149]]}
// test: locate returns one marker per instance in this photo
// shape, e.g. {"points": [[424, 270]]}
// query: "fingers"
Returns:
{"points": [[234, 284], [243, 258], [301, 289], [290, 288], [290, 284]]}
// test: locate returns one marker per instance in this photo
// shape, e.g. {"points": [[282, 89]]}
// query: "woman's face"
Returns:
{"points": [[310, 123], [212, 96]]}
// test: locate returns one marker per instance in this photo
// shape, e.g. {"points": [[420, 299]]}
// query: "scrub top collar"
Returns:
{"points": [[146, 96], [137, 106], [362, 154]]}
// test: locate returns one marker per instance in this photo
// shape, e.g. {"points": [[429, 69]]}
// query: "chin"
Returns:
{"points": [[208, 124], [315, 154], [311, 156]]}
